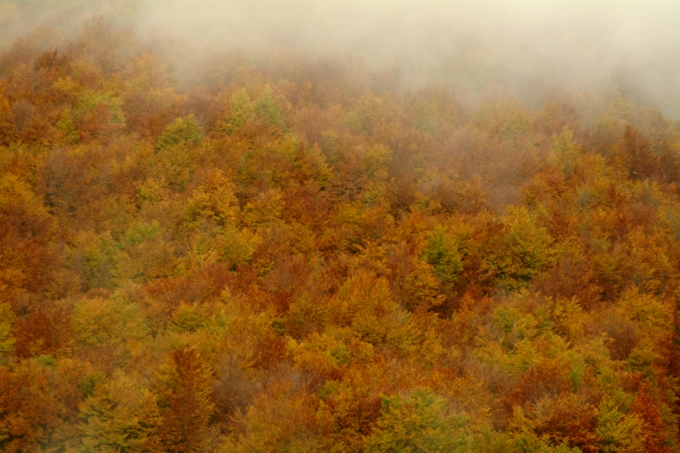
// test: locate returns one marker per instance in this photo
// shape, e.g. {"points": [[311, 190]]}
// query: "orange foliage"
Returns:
{"points": [[281, 252]]}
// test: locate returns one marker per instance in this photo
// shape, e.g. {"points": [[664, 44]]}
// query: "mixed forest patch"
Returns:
{"points": [[287, 253]]}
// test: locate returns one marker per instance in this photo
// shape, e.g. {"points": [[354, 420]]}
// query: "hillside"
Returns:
{"points": [[285, 252]]}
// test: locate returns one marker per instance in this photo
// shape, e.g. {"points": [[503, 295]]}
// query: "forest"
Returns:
{"points": [[281, 251]]}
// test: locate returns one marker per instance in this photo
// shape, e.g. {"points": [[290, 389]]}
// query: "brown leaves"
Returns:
{"points": [[42, 332], [337, 244], [183, 390], [27, 408]]}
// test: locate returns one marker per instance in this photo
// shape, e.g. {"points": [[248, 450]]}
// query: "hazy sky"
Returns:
{"points": [[527, 44], [536, 42]]}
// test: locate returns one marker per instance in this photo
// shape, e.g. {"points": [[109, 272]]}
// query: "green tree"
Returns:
{"points": [[443, 254], [618, 431], [6, 340], [417, 423], [529, 246], [118, 416], [180, 131]]}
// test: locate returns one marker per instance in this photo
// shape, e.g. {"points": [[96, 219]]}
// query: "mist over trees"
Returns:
{"points": [[337, 226]]}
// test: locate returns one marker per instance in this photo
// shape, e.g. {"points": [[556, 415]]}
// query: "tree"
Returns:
{"points": [[180, 131], [183, 389], [417, 423], [118, 416]]}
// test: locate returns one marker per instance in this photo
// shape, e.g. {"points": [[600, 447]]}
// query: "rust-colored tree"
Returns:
{"points": [[183, 389]]}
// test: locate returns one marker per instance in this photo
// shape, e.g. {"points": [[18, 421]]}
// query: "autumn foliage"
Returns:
{"points": [[286, 253]]}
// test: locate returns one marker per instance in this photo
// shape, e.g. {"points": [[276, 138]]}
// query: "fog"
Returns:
{"points": [[477, 47]]}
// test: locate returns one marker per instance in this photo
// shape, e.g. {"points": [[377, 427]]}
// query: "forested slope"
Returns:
{"points": [[287, 253]]}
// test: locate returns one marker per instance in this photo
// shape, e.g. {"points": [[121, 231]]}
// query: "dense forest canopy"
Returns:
{"points": [[252, 227]]}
